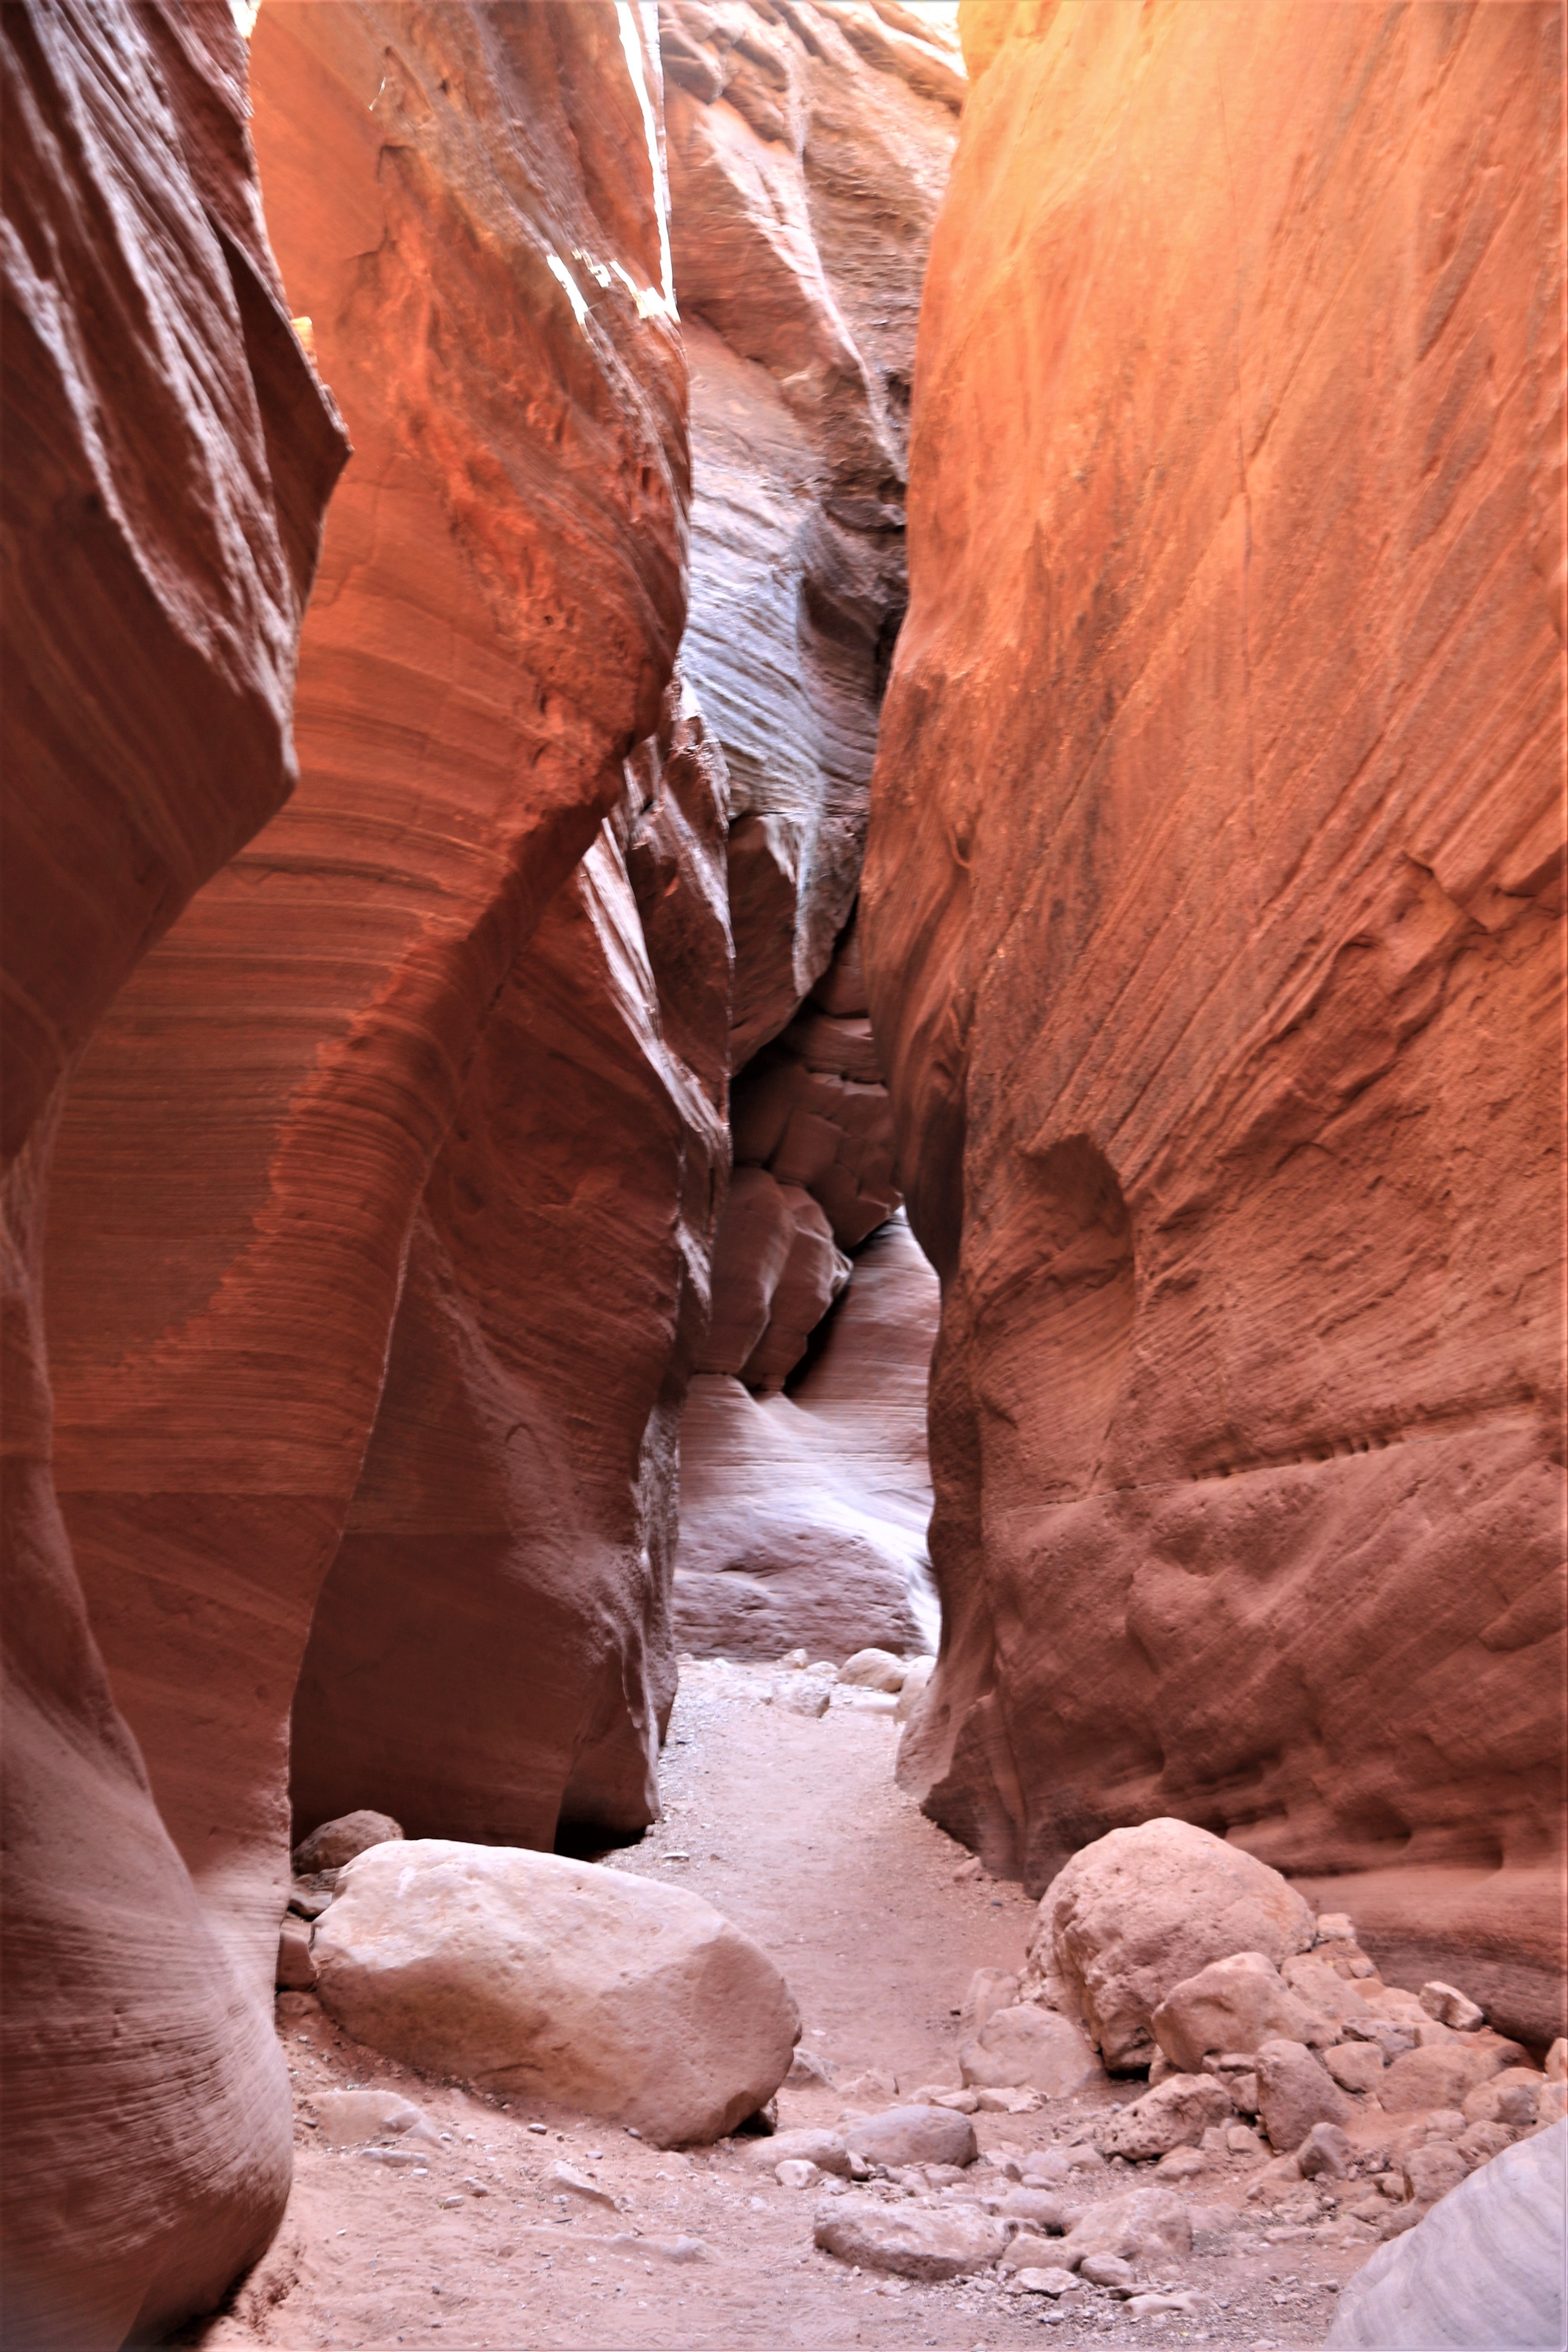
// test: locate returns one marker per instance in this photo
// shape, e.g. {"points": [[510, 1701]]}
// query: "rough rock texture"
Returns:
{"points": [[912, 2242], [1139, 1912], [168, 455], [1232, 2004], [1029, 2044], [1211, 920], [808, 148], [558, 1980], [281, 1159], [803, 1516], [1484, 2268]]}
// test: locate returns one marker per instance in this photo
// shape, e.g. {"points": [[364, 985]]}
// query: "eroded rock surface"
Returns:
{"points": [[1212, 923], [282, 1164], [168, 455]]}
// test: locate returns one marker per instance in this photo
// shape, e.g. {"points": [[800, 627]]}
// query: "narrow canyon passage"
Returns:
{"points": [[794, 1826], [781, 1228]]}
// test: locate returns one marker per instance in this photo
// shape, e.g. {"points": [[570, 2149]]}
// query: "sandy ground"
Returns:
{"points": [[797, 1829]]}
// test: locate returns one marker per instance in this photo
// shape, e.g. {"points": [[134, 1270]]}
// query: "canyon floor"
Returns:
{"points": [[798, 1831]]}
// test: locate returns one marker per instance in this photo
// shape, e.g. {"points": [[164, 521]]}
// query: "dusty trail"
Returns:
{"points": [[795, 1828]]}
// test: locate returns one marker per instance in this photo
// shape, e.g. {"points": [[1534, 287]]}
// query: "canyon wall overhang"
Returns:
{"points": [[1213, 918]]}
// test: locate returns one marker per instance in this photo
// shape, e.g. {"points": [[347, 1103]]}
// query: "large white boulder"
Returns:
{"points": [[1484, 2269], [1141, 1910], [536, 1975]]}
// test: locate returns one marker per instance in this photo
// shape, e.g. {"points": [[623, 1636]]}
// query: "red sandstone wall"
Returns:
{"points": [[168, 455], [279, 1151], [1213, 919]]}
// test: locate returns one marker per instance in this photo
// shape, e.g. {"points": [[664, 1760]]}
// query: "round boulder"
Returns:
{"points": [[544, 1976]]}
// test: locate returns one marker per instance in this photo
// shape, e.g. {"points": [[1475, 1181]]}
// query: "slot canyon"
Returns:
{"points": [[784, 1333]]}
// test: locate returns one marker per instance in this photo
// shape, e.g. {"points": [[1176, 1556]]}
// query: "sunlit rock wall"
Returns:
{"points": [[167, 458], [1213, 923]]}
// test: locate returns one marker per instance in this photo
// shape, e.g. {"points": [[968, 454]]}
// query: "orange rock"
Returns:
{"points": [[168, 454], [1211, 920]]}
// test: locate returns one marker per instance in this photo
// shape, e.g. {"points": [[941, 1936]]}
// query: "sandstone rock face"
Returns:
{"points": [[803, 1516], [807, 154], [294, 1276], [1139, 1911], [1211, 922], [168, 457], [540, 1976], [1483, 2268]]}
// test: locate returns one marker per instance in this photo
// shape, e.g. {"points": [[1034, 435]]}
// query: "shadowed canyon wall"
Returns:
{"points": [[168, 457], [310, 1229], [808, 149], [1213, 924]]}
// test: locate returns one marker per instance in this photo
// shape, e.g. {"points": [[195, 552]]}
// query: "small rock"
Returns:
{"points": [[1182, 2164], [337, 1842], [808, 1698], [1028, 2045], [973, 1868], [1041, 2209], [1005, 2102], [807, 2067], [1326, 2149], [916, 1676], [936, 2094], [1395, 2224], [1479, 2143], [1512, 2098], [796, 2172], [1045, 2278], [910, 2240], [307, 1897], [1106, 2270], [296, 1970], [1355, 2066], [1241, 2140], [1149, 2224], [449, 2204], [822, 2150], [1381, 2034], [988, 1990], [1445, 2073], [862, 2090], [1450, 2007], [1231, 2005], [1174, 2114], [876, 1670], [1027, 2252], [912, 2136], [1046, 2166], [349, 2118], [1431, 2171], [1295, 2091], [1144, 2306], [566, 2179], [399, 2157], [794, 1659], [662, 2249]]}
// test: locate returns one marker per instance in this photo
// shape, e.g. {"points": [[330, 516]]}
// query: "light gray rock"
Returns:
{"points": [[796, 2172], [1141, 2225], [335, 1843], [1040, 2209], [1175, 2114], [1030, 2046], [875, 1670], [912, 2242], [1043, 2279], [1141, 1910], [804, 1695], [1482, 2269], [564, 2180], [912, 2136], [826, 2149], [349, 2118], [532, 1974], [988, 1990], [1106, 2270]]}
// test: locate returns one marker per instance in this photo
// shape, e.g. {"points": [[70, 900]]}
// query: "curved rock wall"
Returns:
{"points": [[1212, 918], [808, 147], [168, 457]]}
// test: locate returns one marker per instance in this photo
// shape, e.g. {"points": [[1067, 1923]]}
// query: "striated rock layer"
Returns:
{"points": [[808, 149], [313, 1250], [1213, 922], [168, 456]]}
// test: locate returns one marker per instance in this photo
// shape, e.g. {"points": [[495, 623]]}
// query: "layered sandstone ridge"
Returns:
{"points": [[1212, 920], [168, 457]]}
